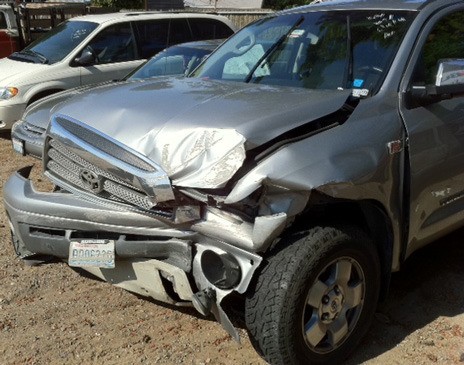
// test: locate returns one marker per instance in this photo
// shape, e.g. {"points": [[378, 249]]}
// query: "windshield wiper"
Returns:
{"points": [[38, 55], [29, 56], [20, 57], [271, 49]]}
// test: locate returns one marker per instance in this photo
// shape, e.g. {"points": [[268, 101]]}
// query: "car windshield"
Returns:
{"points": [[317, 50], [176, 60], [57, 43]]}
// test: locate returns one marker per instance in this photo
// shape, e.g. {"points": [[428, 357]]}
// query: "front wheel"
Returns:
{"points": [[314, 299]]}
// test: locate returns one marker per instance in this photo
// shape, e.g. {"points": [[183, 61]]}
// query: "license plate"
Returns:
{"points": [[93, 253], [18, 145]]}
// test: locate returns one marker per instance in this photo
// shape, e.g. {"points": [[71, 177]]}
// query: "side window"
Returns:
{"points": [[114, 44], [179, 32], [209, 29], [446, 40], [152, 36], [3, 24]]}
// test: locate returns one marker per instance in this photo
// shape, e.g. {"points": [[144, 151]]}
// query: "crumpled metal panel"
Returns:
{"points": [[202, 142], [230, 228], [198, 158]]}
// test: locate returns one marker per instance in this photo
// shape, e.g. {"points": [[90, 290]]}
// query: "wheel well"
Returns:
{"points": [[43, 94], [367, 215]]}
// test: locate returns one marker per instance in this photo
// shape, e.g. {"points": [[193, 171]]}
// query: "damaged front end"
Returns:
{"points": [[174, 244]]}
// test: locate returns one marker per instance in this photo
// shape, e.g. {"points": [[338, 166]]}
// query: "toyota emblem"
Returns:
{"points": [[91, 181]]}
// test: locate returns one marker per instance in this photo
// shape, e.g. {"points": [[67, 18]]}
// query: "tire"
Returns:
{"points": [[325, 281]]}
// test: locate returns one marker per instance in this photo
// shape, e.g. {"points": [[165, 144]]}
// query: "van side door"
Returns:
{"points": [[152, 36]]}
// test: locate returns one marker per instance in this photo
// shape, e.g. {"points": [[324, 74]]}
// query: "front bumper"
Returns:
{"points": [[29, 138], [146, 249], [46, 223], [10, 114]]}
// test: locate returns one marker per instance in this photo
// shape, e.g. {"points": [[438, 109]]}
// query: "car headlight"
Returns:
{"points": [[8, 92]]}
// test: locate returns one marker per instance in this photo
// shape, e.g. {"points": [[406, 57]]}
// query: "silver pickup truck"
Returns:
{"points": [[297, 168]]}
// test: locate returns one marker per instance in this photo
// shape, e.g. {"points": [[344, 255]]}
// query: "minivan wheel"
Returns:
{"points": [[314, 299]]}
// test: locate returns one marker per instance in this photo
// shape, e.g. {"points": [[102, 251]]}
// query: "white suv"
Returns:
{"points": [[95, 48]]}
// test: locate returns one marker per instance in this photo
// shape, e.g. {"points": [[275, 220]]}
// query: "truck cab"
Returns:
{"points": [[9, 40]]}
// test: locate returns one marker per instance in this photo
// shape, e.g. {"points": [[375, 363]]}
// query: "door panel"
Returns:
{"points": [[115, 53], [436, 139]]}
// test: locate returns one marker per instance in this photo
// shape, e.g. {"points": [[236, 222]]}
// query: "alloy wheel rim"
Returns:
{"points": [[333, 305]]}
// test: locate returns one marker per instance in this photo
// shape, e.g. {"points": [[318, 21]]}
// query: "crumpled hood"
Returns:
{"points": [[198, 130], [11, 69]]}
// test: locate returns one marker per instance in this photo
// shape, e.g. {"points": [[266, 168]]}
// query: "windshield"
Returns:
{"points": [[176, 60], [57, 43], [319, 50]]}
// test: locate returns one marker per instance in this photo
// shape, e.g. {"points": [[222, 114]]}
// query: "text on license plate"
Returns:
{"points": [[94, 253]]}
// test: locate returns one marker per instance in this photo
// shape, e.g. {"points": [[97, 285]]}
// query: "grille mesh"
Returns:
{"points": [[67, 166], [66, 157]]}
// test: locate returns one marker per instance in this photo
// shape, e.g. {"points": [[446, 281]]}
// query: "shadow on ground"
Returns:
{"points": [[428, 286]]}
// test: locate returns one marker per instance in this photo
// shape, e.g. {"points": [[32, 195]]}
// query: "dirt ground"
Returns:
{"points": [[52, 314]]}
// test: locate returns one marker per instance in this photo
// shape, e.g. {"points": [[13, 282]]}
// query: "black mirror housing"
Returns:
{"points": [[449, 83]]}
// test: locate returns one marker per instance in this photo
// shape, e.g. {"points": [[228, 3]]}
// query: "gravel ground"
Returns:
{"points": [[52, 314]]}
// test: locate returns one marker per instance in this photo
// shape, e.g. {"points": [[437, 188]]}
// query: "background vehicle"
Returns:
{"points": [[8, 31], [28, 133], [92, 49], [298, 167]]}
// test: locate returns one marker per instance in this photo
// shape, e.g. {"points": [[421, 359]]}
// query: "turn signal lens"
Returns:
{"points": [[8, 92]]}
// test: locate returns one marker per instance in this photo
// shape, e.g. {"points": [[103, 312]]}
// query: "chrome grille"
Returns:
{"points": [[66, 157], [104, 144], [68, 167]]}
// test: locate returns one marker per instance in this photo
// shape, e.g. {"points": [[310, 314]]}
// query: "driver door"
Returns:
{"points": [[436, 135], [115, 54]]}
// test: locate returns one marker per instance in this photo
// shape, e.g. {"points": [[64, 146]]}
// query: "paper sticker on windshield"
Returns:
{"points": [[358, 83], [360, 93], [297, 33]]}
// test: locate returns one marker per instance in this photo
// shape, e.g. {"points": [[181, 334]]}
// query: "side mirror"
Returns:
{"points": [[449, 83], [87, 58]]}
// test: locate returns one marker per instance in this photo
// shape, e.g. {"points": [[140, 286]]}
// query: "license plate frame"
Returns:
{"points": [[18, 146], [92, 253]]}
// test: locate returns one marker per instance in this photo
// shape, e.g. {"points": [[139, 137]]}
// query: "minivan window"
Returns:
{"points": [[57, 43], [179, 32], [320, 50], [209, 29], [114, 44], [152, 36]]}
